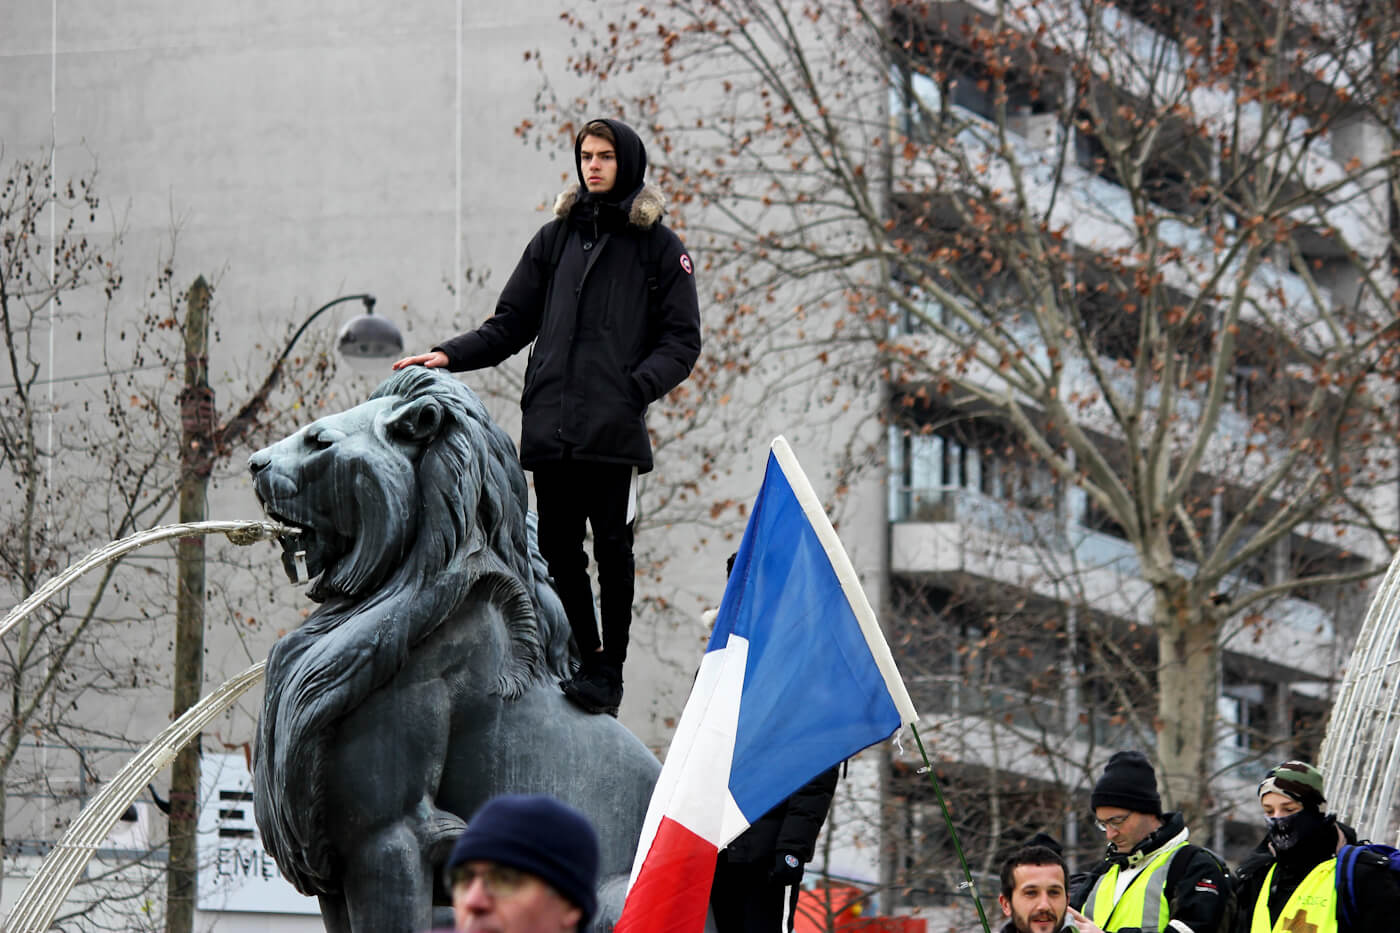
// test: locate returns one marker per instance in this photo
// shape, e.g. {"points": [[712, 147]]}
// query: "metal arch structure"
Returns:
{"points": [[1361, 751], [47, 890], [45, 893]]}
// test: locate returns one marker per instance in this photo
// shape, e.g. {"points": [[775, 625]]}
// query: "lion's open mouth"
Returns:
{"points": [[295, 547]]}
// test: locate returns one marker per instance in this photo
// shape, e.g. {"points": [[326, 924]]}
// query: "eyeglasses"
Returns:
{"points": [[1115, 822], [498, 880]]}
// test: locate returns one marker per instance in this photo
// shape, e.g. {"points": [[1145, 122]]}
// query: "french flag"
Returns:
{"points": [[796, 678]]}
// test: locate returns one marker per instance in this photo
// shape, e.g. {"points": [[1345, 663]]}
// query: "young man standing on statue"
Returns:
{"points": [[606, 293]]}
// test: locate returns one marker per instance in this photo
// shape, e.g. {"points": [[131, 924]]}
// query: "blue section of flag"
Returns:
{"points": [[813, 694]]}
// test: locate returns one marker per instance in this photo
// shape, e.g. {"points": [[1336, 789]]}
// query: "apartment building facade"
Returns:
{"points": [[1027, 605]]}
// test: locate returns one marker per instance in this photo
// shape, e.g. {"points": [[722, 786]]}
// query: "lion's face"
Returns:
{"points": [[348, 483]]}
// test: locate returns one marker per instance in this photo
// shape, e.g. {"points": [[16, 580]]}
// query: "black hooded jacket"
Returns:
{"points": [[791, 826], [606, 345]]}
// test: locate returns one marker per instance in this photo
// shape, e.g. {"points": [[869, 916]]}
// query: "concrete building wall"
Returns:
{"points": [[294, 152]]}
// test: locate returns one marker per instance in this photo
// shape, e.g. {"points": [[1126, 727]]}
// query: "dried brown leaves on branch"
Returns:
{"points": [[1149, 241], [90, 432]]}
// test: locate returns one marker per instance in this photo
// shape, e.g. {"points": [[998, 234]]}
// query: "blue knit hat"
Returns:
{"points": [[540, 836]]}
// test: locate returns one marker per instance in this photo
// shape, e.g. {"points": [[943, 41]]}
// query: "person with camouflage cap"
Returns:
{"points": [[1289, 882]]}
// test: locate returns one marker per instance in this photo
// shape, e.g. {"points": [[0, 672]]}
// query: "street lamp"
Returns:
{"points": [[365, 342], [365, 338], [203, 440], [368, 340]]}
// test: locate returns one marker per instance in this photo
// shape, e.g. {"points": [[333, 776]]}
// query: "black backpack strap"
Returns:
{"points": [[1346, 880], [556, 248], [558, 236]]}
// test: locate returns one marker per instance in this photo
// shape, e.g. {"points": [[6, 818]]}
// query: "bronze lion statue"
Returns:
{"points": [[425, 682]]}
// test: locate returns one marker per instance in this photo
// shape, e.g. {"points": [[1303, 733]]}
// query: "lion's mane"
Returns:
{"points": [[465, 508]]}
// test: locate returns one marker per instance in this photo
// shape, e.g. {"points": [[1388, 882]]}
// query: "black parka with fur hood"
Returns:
{"points": [[605, 345]]}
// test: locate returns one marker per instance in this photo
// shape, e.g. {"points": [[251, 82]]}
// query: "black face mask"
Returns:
{"points": [[1285, 832]]}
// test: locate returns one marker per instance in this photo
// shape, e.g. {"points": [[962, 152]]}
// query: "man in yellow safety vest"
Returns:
{"points": [[1152, 880]]}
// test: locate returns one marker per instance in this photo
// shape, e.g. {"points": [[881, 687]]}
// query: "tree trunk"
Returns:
{"points": [[1188, 639], [196, 460]]}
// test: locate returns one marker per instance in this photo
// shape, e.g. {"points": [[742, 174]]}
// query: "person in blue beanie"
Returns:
{"points": [[524, 864]]}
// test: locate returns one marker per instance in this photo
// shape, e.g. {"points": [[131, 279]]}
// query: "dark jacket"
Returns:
{"points": [[791, 826], [605, 344], [1377, 891], [1198, 889]]}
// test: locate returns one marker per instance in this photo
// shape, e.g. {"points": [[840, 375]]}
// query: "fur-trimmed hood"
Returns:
{"points": [[647, 207]]}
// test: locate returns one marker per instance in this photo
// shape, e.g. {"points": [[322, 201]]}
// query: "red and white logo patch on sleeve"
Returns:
{"points": [[685, 264]]}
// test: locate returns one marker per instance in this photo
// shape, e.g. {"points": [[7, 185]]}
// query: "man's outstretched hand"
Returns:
{"points": [[1084, 924], [434, 360]]}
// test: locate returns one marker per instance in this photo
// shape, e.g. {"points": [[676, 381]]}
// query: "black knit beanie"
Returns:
{"points": [[1128, 782], [538, 835]]}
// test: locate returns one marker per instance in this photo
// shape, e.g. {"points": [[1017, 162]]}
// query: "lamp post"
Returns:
{"points": [[363, 337], [202, 442]]}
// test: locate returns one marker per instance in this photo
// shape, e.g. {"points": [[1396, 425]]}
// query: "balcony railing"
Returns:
{"points": [[1099, 214], [1032, 715], [1087, 550]]}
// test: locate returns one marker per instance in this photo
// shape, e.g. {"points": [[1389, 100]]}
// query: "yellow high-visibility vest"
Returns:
{"points": [[1143, 904], [1312, 905]]}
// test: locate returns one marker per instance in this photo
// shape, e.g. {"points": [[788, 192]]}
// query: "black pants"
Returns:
{"points": [[744, 900], [569, 495]]}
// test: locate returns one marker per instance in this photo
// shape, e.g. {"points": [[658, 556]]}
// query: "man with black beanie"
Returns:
{"points": [[605, 296], [1152, 878]]}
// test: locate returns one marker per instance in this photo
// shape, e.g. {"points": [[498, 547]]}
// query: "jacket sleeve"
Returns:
{"points": [[806, 812], [674, 334], [1202, 898], [1249, 877], [518, 310], [1082, 882]]}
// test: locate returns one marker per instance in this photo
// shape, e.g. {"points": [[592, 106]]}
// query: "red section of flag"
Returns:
{"points": [[672, 891]]}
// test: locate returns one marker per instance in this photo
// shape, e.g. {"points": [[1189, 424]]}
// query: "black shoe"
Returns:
{"points": [[593, 694]]}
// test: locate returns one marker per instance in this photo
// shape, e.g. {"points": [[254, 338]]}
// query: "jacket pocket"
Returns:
{"points": [[607, 323]]}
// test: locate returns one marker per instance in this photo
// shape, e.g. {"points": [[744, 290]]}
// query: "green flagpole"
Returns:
{"points": [[948, 818]]}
